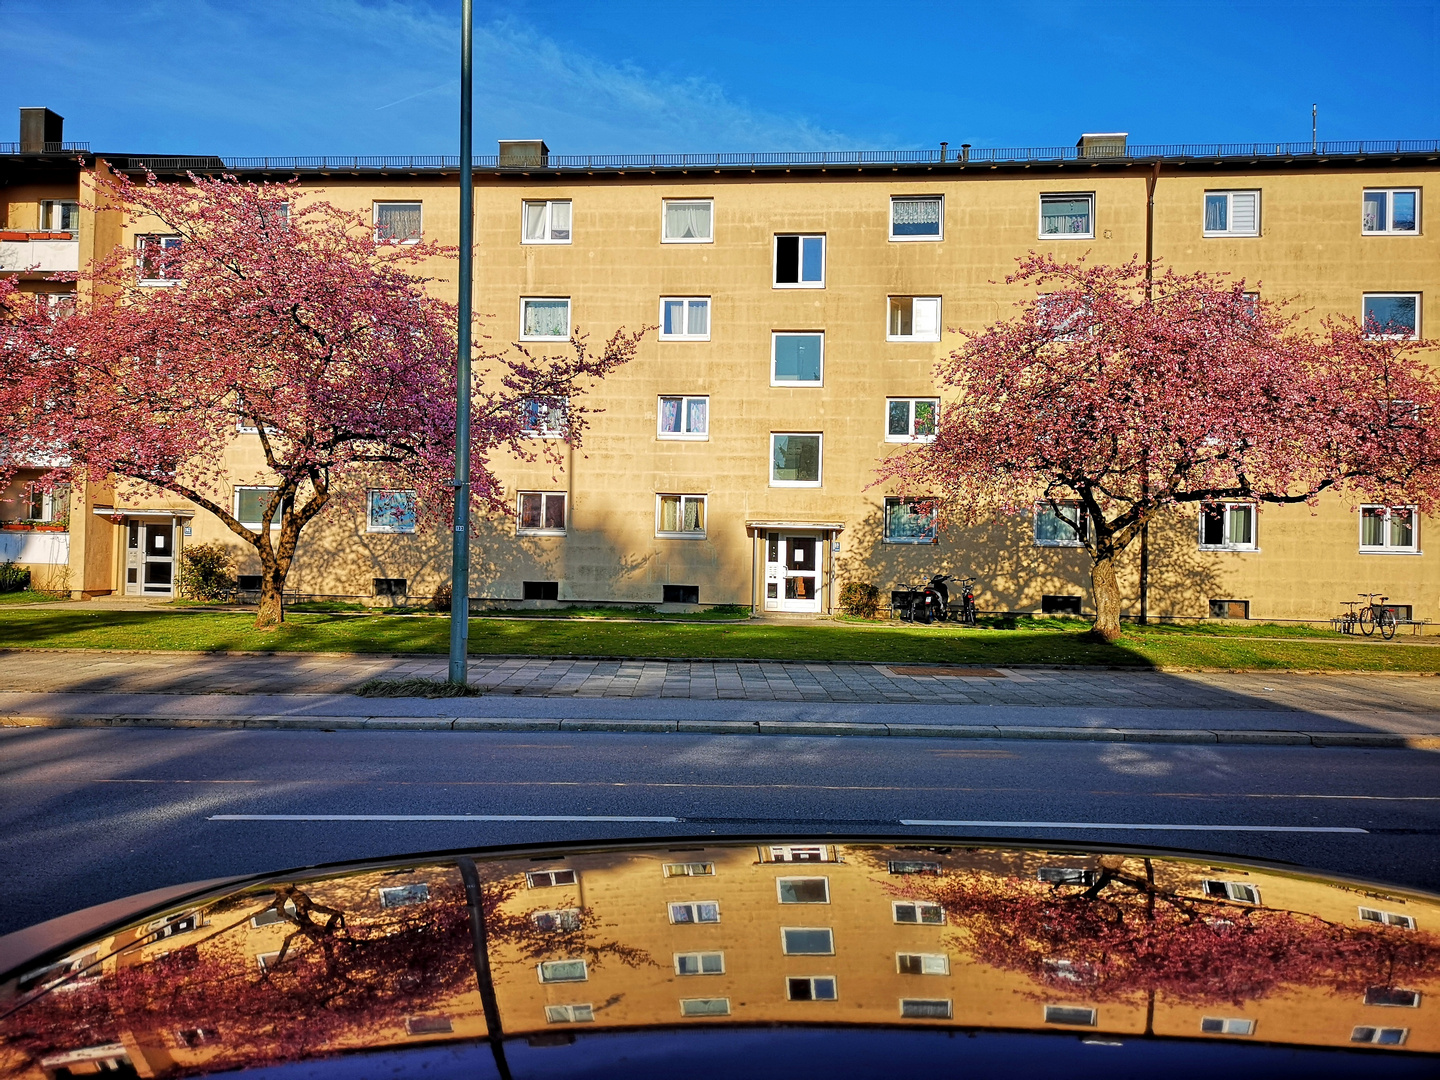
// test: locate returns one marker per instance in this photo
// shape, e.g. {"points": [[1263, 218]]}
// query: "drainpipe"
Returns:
{"points": [[1150, 182]]}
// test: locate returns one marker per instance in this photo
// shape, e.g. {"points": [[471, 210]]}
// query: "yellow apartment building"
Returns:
{"points": [[800, 303]]}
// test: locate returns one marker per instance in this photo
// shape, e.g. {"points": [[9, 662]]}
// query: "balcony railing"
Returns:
{"points": [[39, 253]]}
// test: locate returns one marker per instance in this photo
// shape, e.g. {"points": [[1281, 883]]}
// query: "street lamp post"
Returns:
{"points": [[460, 537]]}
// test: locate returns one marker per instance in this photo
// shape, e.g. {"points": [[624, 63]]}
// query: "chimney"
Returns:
{"points": [[517, 153], [1102, 145], [39, 127]]}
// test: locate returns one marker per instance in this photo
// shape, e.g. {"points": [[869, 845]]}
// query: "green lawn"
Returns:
{"points": [[1040, 641], [30, 596]]}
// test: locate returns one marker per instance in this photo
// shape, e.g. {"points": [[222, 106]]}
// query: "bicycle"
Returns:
{"points": [[1373, 616], [1346, 622]]}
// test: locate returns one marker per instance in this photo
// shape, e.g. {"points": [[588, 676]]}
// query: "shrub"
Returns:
{"points": [[441, 600], [860, 599], [13, 578], [207, 572]]}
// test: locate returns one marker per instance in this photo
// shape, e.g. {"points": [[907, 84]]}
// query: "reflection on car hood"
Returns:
{"points": [[746, 958]]}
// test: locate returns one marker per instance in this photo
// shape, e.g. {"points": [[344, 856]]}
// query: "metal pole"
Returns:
{"points": [[460, 538], [1314, 128]]}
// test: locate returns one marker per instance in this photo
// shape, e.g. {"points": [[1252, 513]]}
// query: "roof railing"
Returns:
{"points": [[50, 148]]}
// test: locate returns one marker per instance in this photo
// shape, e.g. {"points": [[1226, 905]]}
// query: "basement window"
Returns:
{"points": [[391, 586], [680, 594]]}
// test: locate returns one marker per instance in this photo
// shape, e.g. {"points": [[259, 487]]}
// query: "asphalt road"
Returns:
{"points": [[88, 815]]}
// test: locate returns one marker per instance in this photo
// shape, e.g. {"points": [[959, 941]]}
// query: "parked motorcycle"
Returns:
{"points": [[931, 602]]}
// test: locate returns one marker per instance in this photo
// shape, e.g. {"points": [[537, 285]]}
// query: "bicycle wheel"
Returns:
{"points": [[1386, 619], [1367, 621]]}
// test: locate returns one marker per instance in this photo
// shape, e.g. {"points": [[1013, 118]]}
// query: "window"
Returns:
{"points": [[266, 960], [1061, 524], [1229, 609], [563, 971], [925, 1008], [1232, 213], [541, 513], [539, 590], [811, 988], [1069, 1014], [1066, 875], [803, 941], [1068, 216], [157, 258], [680, 594], [803, 890], [792, 853], [800, 262], [796, 359], [700, 963], [685, 318], [914, 318], [40, 505], [695, 911], [390, 586], [1227, 527], [1394, 211], [1387, 529], [680, 516], [1217, 1025], [558, 919], [687, 221], [248, 582], [271, 916], [922, 963], [545, 419], [1387, 918], [545, 879], [428, 1025], [917, 217], [404, 895], [545, 319], [918, 911], [909, 866], [59, 215], [397, 222], [198, 1036], [704, 1006], [689, 869], [1392, 996], [684, 418], [910, 521], [1059, 604], [250, 504], [570, 1014], [546, 222], [795, 460], [174, 924], [1394, 315], [911, 419], [390, 511], [1380, 1036], [1238, 891], [1059, 313]]}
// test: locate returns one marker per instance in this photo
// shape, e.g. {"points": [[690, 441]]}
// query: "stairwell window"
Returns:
{"points": [[540, 513], [687, 221], [680, 516], [157, 257], [684, 417], [917, 217], [797, 359], [803, 890], [1391, 211], [914, 318], [390, 511], [795, 460], [1388, 530], [546, 222], [545, 318], [1232, 213], [800, 262], [397, 222], [1227, 527], [685, 318], [1391, 315], [1068, 216]]}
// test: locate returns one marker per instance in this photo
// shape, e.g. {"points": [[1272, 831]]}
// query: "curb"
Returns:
{"points": [[791, 728]]}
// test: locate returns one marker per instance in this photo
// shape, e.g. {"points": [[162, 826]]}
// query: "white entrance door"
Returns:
{"points": [[792, 571], [150, 558]]}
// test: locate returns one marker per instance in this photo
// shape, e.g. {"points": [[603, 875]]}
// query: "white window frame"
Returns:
{"points": [[563, 918], [779, 894], [47, 211], [1389, 229], [265, 959], [910, 437], [784, 943], [921, 238], [918, 905], [1076, 539], [775, 281], [775, 336], [1415, 335], [885, 538], [569, 318], [584, 970], [545, 879], [549, 205], [665, 239], [1229, 230], [164, 239], [1066, 875], [785, 853], [1387, 548], [686, 1011], [943, 965], [912, 337], [820, 461], [812, 980], [1370, 1033], [687, 301], [547, 430], [371, 527], [949, 1008], [1386, 918], [1227, 544], [684, 399], [375, 205], [1229, 1025], [279, 513], [545, 497], [1055, 1010], [1040, 225], [695, 905], [699, 957], [696, 534], [1414, 1004], [1234, 891], [568, 1014], [912, 866], [689, 869]]}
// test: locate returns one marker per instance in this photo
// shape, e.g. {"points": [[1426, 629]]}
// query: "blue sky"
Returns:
{"points": [[379, 76]]}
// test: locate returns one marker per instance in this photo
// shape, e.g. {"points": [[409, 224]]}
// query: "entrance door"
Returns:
{"points": [[150, 559], [792, 572]]}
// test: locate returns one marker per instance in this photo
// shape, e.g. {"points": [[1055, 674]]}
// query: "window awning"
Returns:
{"points": [[144, 511], [822, 526]]}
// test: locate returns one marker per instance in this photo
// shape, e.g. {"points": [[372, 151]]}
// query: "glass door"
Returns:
{"points": [[792, 572], [158, 574]]}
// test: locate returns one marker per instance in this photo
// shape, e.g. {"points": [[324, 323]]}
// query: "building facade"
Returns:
{"points": [[799, 305]]}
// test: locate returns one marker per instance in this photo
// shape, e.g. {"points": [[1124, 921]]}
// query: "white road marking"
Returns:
{"points": [[427, 817], [1133, 826]]}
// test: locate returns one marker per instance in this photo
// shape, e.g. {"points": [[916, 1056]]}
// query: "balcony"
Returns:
{"points": [[39, 252]]}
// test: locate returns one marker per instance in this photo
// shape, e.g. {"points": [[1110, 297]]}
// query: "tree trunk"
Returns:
{"points": [[1107, 595], [272, 596]]}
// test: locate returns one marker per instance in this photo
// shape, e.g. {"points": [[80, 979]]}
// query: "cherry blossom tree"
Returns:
{"points": [[1129, 396], [286, 317]]}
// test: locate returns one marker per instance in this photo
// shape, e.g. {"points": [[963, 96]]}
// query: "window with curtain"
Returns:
{"points": [[680, 515], [1232, 213], [910, 521], [917, 217], [684, 417], [1227, 526], [1067, 215], [688, 221], [397, 221], [685, 318], [914, 318], [541, 512], [545, 319], [1387, 528], [547, 222]]}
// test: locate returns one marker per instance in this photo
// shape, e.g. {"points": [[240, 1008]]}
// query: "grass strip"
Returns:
{"points": [[414, 687]]}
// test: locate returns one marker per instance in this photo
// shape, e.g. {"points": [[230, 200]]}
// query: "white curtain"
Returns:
{"points": [[687, 220]]}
